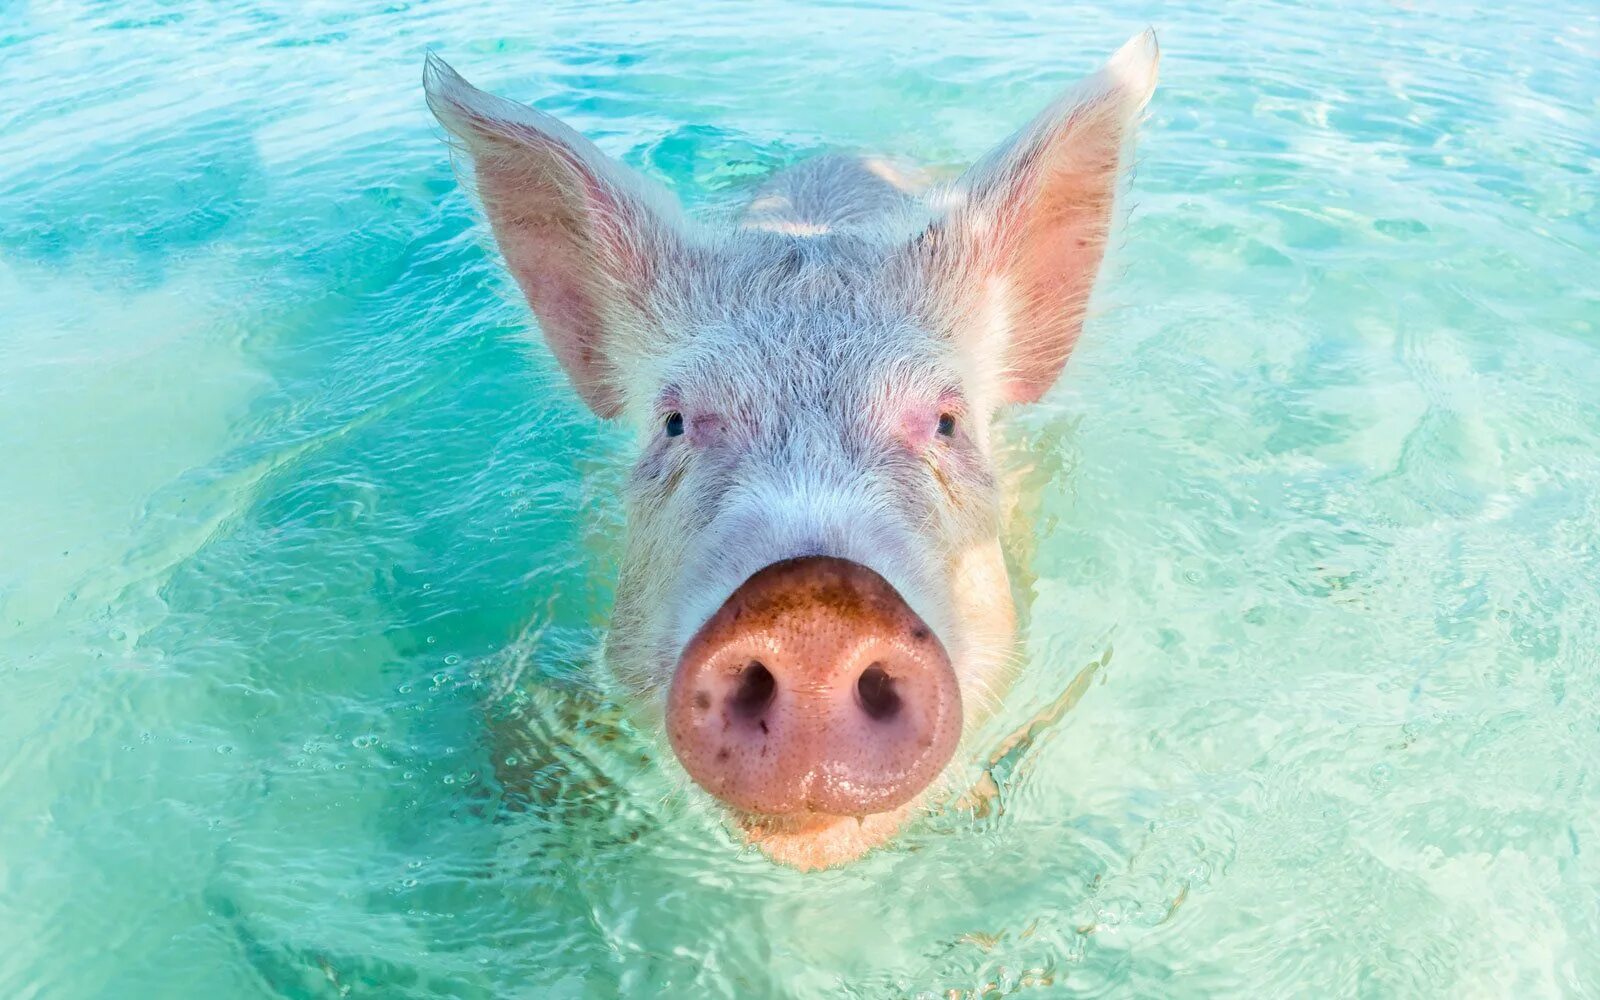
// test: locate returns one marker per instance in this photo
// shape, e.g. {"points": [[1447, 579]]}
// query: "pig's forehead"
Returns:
{"points": [[807, 358], [809, 322]]}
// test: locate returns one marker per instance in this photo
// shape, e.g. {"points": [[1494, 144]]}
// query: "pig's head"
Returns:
{"points": [[812, 597]]}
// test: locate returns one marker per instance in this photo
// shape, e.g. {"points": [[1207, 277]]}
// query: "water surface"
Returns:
{"points": [[305, 551]]}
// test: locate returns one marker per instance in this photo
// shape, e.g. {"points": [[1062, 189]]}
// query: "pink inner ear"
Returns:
{"points": [[1017, 258], [580, 235], [549, 246], [1055, 255]]}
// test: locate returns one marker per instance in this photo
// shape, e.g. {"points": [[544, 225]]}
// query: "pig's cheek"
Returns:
{"points": [[962, 499], [955, 470], [659, 471]]}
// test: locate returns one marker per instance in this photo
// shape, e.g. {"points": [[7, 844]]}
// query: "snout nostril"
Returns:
{"points": [[756, 687], [875, 691]]}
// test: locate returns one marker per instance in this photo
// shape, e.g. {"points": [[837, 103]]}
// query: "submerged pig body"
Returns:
{"points": [[813, 596]]}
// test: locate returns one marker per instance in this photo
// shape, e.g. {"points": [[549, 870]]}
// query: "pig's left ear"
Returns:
{"points": [[1010, 265]]}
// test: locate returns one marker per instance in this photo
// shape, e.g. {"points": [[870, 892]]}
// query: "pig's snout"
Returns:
{"points": [[814, 689]]}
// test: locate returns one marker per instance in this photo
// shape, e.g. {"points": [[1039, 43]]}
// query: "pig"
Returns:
{"points": [[813, 605]]}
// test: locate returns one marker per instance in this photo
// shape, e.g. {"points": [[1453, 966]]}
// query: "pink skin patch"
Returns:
{"points": [[704, 429], [921, 426], [701, 427]]}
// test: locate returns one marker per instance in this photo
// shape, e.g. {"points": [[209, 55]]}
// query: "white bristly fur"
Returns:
{"points": [[810, 349]]}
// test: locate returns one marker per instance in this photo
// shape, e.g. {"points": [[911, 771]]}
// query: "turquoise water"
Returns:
{"points": [[305, 551]]}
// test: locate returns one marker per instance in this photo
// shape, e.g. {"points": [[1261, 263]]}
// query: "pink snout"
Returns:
{"points": [[814, 689]]}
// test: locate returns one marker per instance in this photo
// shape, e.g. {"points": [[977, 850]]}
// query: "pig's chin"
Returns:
{"points": [[811, 840]]}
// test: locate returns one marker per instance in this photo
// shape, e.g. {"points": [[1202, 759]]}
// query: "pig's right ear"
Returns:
{"points": [[1011, 262], [585, 238]]}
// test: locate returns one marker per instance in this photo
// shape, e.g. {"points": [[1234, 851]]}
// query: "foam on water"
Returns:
{"points": [[305, 552]]}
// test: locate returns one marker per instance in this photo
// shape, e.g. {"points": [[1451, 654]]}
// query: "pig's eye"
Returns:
{"points": [[674, 424], [947, 424]]}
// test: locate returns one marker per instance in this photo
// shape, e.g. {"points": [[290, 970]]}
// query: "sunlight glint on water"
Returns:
{"points": [[304, 554]]}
